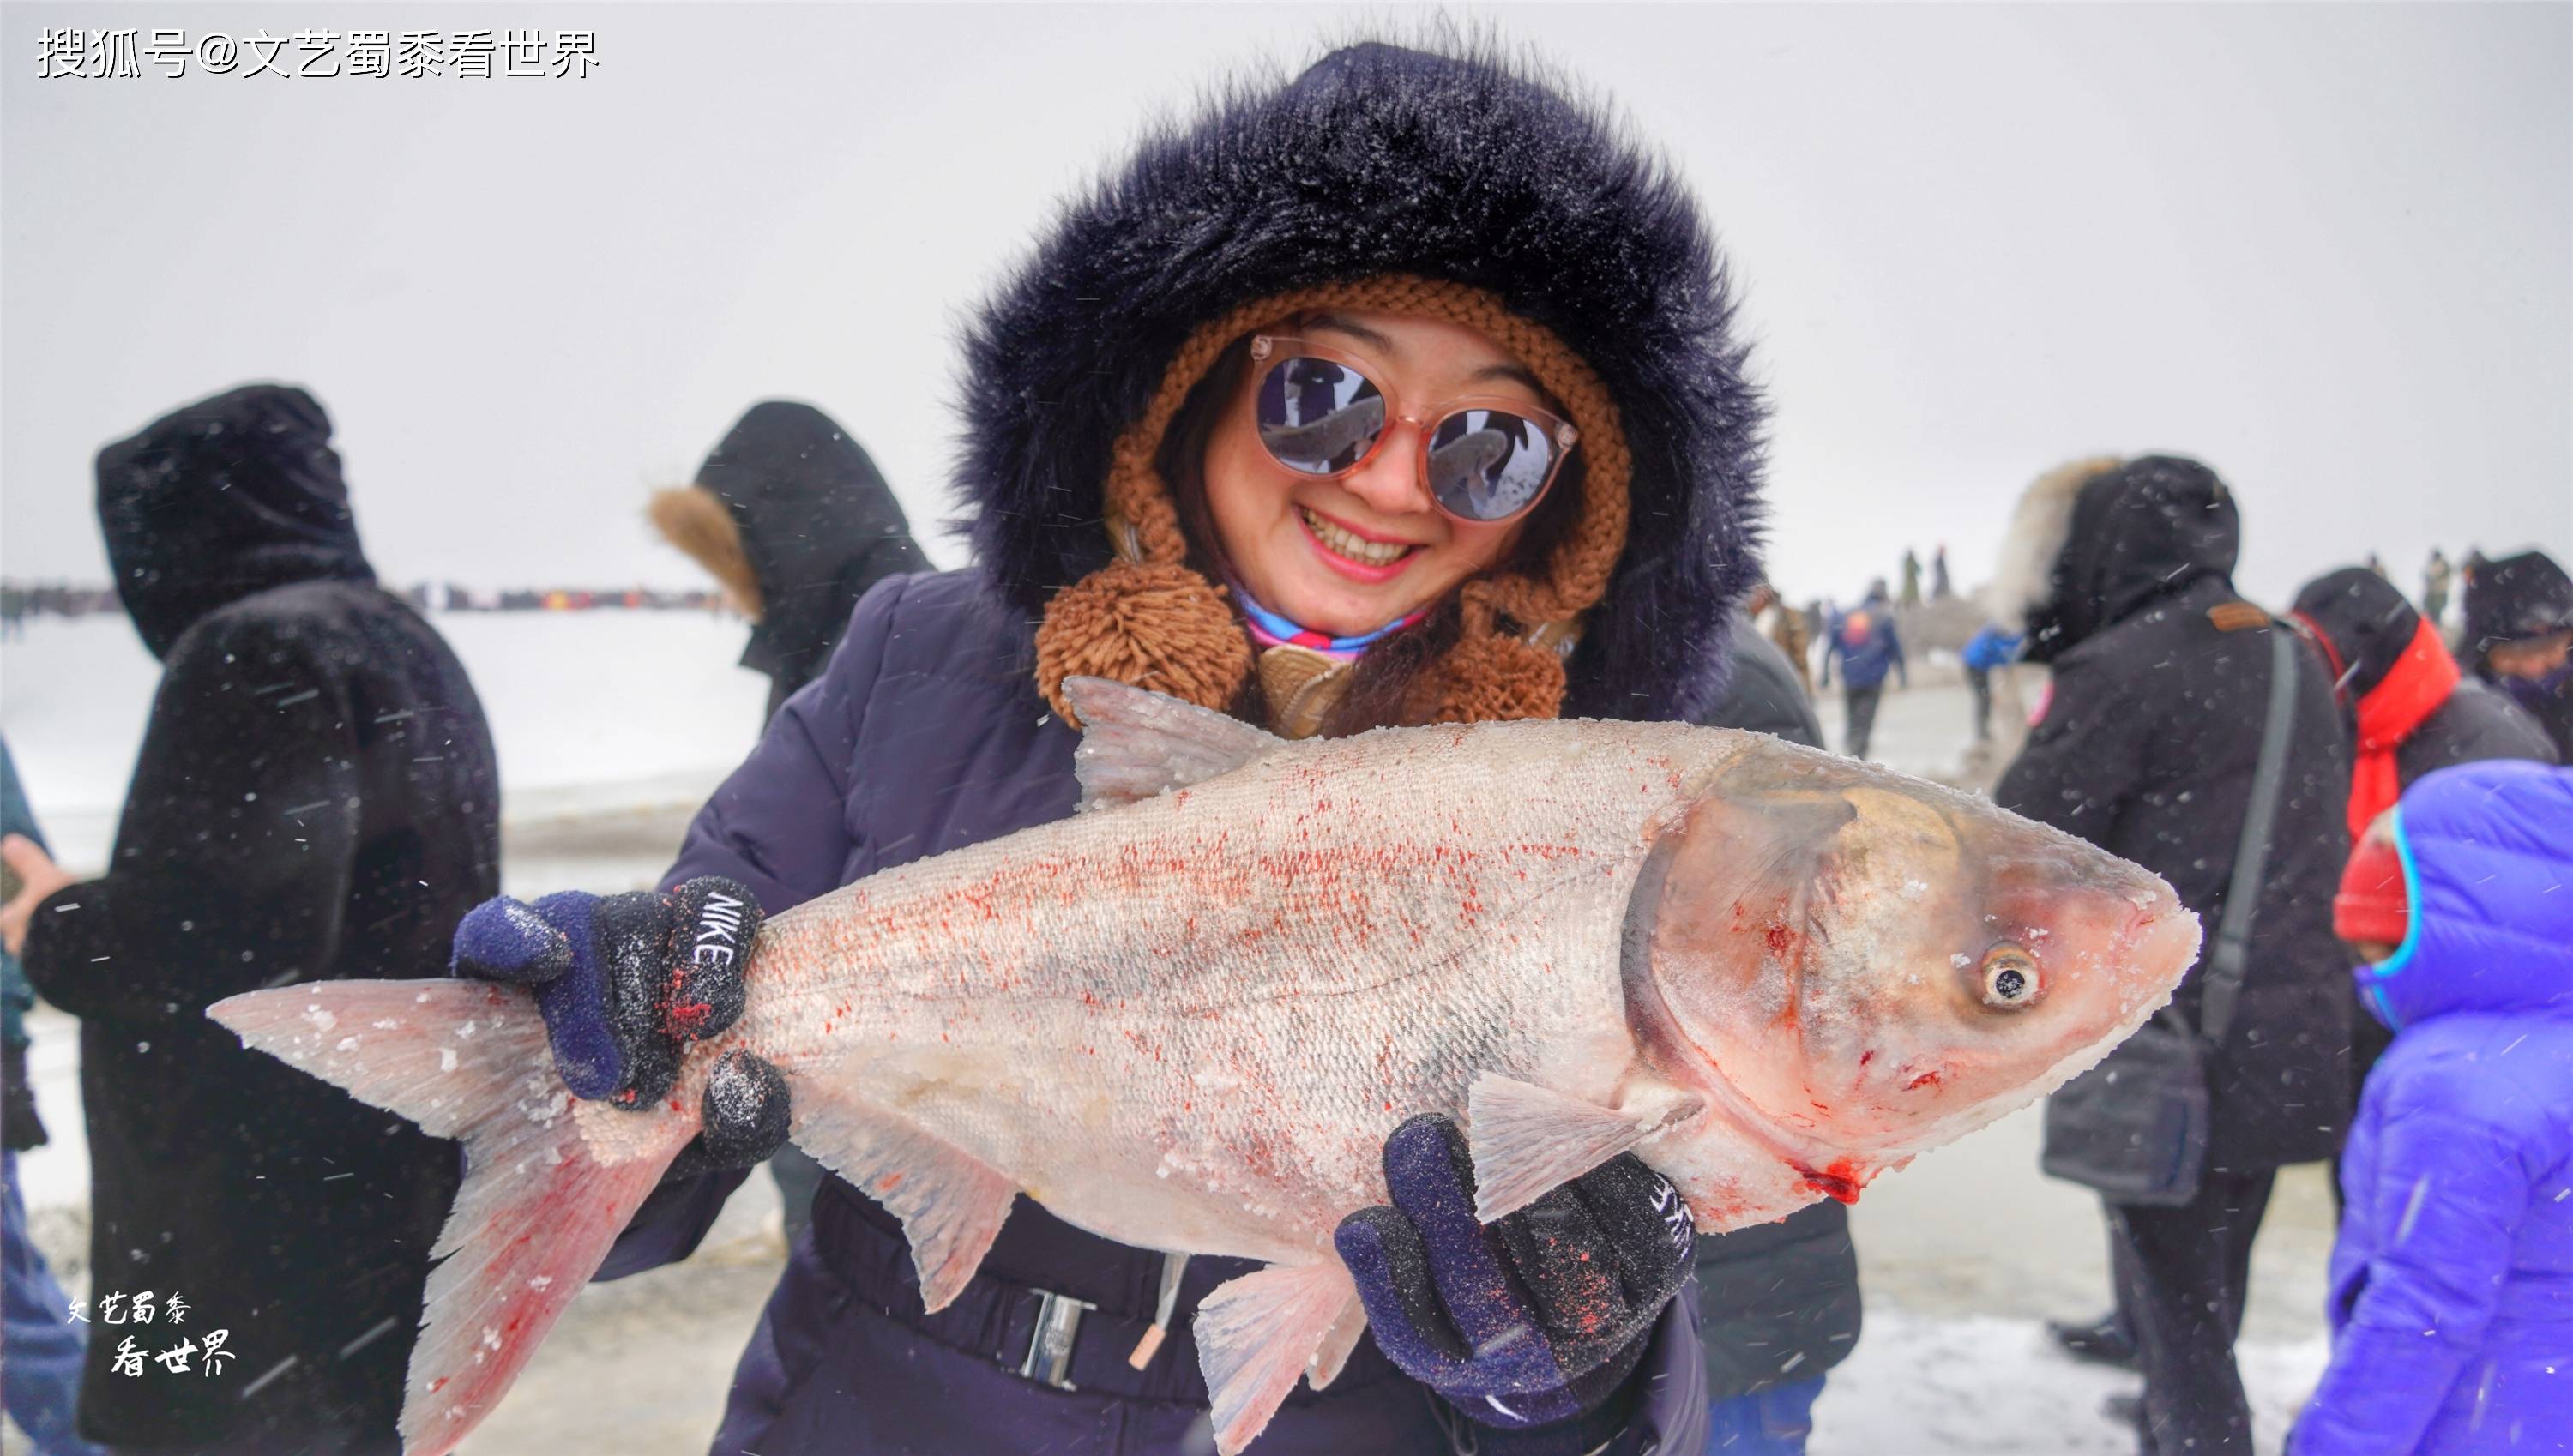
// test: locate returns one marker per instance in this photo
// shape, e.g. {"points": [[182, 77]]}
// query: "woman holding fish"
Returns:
{"points": [[1403, 392], [1400, 396]]}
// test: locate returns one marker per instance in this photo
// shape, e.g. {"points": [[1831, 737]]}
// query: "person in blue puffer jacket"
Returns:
{"points": [[1864, 640], [2452, 1280], [1988, 649]]}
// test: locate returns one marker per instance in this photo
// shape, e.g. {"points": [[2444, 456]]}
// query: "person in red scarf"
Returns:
{"points": [[2412, 711]]}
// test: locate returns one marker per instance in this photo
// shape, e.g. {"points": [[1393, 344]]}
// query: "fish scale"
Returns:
{"points": [[1188, 1018], [1295, 943]]}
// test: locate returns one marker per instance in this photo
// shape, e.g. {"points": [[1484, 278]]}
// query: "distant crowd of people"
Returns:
{"points": [[20, 604], [1866, 641]]}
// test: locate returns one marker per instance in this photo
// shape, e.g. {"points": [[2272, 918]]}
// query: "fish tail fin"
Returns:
{"points": [[548, 1184]]}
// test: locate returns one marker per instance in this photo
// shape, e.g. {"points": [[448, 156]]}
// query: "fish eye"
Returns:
{"points": [[2009, 977]]}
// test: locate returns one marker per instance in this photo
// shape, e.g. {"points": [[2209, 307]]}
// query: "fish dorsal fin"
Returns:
{"points": [[1526, 1138], [951, 1203], [1134, 743]]}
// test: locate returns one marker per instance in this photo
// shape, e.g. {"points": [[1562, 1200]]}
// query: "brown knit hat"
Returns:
{"points": [[1147, 619]]}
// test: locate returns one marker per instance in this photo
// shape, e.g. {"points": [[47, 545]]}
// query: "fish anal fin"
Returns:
{"points": [[1257, 1335], [1337, 1345], [951, 1203], [1527, 1138], [1136, 744]]}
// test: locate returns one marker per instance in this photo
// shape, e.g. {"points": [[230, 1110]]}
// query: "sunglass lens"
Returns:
{"points": [[1318, 417], [1489, 464]]}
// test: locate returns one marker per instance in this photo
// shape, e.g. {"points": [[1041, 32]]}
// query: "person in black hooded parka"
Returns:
{"points": [[2519, 628], [2123, 575], [315, 800], [791, 515]]}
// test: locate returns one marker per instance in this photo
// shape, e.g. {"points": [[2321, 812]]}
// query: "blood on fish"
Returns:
{"points": [[1926, 1079], [1841, 1181]]}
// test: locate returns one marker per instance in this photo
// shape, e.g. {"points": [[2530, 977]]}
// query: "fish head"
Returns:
{"points": [[1855, 964]]}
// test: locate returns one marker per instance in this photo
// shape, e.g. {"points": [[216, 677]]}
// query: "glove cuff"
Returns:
{"points": [[1605, 1398]]}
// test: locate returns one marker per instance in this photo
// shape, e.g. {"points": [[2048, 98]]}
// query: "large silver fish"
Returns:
{"points": [[1187, 1019]]}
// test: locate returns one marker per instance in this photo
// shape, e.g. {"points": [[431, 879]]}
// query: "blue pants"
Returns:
{"points": [[1771, 1422], [41, 1374]]}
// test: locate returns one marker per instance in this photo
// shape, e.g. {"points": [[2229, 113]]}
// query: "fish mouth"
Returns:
{"points": [[2159, 944]]}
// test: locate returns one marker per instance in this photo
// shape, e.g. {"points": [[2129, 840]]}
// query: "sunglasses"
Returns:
{"points": [[1485, 460]]}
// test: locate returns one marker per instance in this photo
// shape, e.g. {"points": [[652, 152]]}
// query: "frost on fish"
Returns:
{"points": [[1187, 1019]]}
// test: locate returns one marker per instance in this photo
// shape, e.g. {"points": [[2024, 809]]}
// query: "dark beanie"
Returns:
{"points": [[2513, 598], [2365, 621]]}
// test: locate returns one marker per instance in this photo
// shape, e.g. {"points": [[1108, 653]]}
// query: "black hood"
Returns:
{"points": [[2145, 530], [2368, 622], [224, 499], [818, 525], [2513, 598], [1381, 161]]}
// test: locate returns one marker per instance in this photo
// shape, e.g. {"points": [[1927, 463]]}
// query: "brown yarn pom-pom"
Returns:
{"points": [[1160, 627], [1487, 677]]}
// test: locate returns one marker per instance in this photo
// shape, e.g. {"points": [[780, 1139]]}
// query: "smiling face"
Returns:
{"points": [[1350, 554]]}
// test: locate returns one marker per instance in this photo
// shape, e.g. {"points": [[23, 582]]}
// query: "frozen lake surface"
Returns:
{"points": [[591, 711]]}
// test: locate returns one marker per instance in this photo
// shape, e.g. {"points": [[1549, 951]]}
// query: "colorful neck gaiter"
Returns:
{"points": [[1268, 629]]}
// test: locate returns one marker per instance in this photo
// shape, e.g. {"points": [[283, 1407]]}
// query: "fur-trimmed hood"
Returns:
{"points": [[792, 517], [2097, 540], [1465, 166]]}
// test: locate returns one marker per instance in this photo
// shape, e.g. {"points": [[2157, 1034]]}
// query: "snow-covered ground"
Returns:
{"points": [[611, 726], [1921, 1386]]}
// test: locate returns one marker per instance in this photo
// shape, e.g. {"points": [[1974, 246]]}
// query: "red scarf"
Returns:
{"points": [[2420, 680]]}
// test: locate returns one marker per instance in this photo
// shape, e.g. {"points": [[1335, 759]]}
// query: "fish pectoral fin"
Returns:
{"points": [[1257, 1335], [951, 1203], [1134, 743], [1526, 1138]]}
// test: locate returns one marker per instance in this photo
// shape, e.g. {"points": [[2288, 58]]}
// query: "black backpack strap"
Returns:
{"points": [[2225, 963]]}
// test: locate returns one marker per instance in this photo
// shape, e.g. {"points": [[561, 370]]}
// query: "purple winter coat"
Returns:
{"points": [[2452, 1280], [926, 734]]}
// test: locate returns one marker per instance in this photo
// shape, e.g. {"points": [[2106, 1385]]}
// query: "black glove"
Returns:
{"points": [[1534, 1319], [625, 983]]}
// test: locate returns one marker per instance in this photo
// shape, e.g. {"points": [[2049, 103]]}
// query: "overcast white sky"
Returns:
{"points": [[2329, 249]]}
